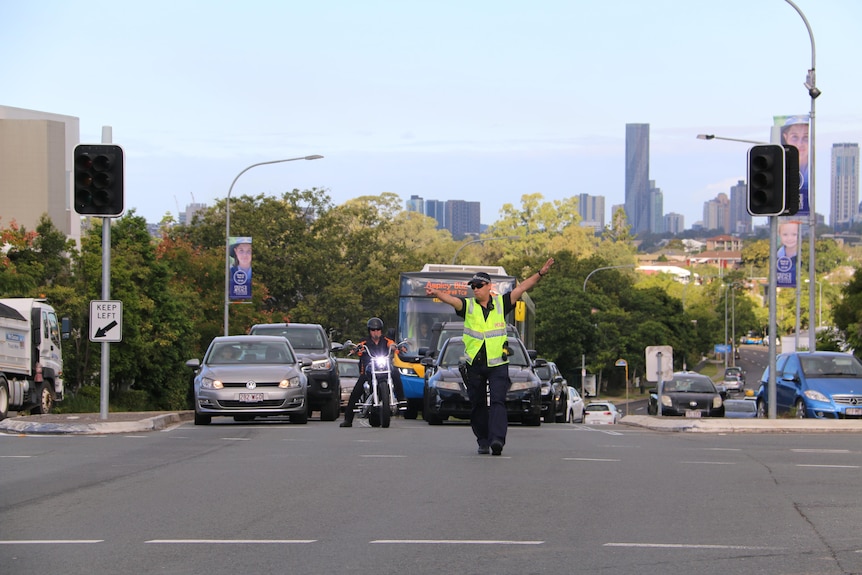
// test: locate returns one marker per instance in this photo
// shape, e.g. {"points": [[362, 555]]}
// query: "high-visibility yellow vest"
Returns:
{"points": [[491, 331]]}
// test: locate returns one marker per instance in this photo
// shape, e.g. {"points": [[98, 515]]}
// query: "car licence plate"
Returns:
{"points": [[853, 411], [250, 397], [695, 413]]}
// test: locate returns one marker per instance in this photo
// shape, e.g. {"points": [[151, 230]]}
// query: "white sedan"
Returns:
{"points": [[574, 406], [602, 413]]}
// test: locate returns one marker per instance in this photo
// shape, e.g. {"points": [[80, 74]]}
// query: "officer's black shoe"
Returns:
{"points": [[484, 450], [496, 447], [346, 423]]}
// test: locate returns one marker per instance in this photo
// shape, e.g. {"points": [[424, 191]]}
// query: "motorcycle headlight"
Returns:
{"points": [[380, 362], [210, 383], [289, 382]]}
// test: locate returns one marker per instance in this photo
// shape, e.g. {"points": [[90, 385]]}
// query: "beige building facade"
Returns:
{"points": [[36, 155]]}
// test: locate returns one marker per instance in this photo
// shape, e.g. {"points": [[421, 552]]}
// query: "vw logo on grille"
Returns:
{"points": [[250, 384]]}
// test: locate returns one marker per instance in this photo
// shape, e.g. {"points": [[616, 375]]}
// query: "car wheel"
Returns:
{"points": [[562, 417], [329, 412], [413, 407], [429, 416], [801, 412], [202, 419], [300, 418], [45, 400], [4, 398]]}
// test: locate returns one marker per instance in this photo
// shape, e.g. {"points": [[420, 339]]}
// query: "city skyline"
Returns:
{"points": [[485, 101]]}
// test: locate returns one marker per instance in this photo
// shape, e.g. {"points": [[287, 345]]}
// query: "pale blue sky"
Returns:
{"points": [[484, 100]]}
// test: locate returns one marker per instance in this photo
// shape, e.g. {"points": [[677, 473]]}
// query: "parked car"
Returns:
{"points": [[820, 384], [740, 408], [601, 412], [554, 394], [310, 341], [247, 376], [348, 374], [445, 394], [687, 393], [574, 405], [735, 370]]}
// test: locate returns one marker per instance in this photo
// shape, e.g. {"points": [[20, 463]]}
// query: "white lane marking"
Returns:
{"points": [[236, 438], [820, 450], [456, 542], [691, 546], [712, 462], [722, 449], [231, 541], [384, 456], [15, 456], [49, 541], [834, 466], [588, 459]]}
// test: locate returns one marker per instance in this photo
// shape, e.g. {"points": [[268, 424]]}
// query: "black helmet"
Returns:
{"points": [[375, 323]]}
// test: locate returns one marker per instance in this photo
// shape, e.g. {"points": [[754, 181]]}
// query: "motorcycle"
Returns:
{"points": [[378, 401]]}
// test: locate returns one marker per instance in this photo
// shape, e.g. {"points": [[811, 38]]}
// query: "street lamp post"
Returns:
{"points": [[227, 231], [480, 240], [714, 137], [811, 85], [819, 305]]}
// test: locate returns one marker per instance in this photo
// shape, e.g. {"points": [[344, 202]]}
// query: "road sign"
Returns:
{"points": [[722, 348], [659, 358], [106, 321]]}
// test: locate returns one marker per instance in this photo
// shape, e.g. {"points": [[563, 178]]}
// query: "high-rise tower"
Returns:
{"points": [[637, 177], [845, 186]]}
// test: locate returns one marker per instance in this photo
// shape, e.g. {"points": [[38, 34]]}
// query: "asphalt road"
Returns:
{"points": [[273, 497]]}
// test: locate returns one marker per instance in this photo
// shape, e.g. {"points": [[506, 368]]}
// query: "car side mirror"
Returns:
{"points": [[193, 363], [427, 361], [305, 362]]}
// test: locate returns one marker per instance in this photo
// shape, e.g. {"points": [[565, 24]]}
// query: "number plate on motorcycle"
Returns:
{"points": [[250, 397]]}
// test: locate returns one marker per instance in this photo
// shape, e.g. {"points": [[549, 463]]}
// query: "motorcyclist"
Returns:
{"points": [[376, 345]]}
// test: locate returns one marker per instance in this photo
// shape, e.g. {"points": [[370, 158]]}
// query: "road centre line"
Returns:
{"points": [[713, 462], [385, 456], [820, 451], [455, 542], [50, 541], [15, 456], [834, 466], [588, 459], [691, 546], [230, 541]]}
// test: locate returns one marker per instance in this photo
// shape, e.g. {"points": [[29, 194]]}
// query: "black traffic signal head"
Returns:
{"points": [[766, 180], [792, 180], [99, 180]]}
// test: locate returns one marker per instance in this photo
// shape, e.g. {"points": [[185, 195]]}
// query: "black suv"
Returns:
{"points": [[309, 340]]}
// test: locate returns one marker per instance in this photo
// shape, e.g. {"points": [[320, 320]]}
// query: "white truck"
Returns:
{"points": [[31, 356]]}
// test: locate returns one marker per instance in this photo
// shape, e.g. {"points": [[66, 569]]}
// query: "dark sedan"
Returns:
{"points": [[445, 394], [689, 394]]}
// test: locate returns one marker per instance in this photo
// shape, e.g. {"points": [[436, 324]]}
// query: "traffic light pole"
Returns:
{"points": [[771, 394], [105, 375]]}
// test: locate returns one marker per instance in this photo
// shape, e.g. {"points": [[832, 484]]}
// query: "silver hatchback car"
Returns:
{"points": [[246, 376]]}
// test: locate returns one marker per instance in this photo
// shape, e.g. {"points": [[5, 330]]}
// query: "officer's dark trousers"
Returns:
{"points": [[489, 422]]}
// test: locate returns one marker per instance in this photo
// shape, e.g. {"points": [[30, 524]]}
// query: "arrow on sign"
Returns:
{"points": [[102, 331]]}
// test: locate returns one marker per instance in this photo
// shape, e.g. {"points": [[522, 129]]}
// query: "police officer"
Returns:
{"points": [[484, 342], [377, 345]]}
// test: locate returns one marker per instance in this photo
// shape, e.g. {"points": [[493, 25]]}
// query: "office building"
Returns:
{"points": [[462, 218], [656, 207], [674, 223], [591, 209], [716, 214], [436, 209], [845, 186], [740, 219], [637, 177], [416, 204], [36, 157]]}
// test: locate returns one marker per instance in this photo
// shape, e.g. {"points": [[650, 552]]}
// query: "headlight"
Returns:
{"points": [[716, 401], [321, 364], [381, 362], [815, 396], [665, 401], [546, 390], [408, 371], [289, 382], [519, 385], [210, 383], [450, 385]]}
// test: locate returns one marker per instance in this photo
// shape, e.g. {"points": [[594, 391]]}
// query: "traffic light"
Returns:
{"points": [[766, 180], [792, 180], [99, 180]]}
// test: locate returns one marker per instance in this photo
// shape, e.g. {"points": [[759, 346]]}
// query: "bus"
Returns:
{"points": [[418, 312]]}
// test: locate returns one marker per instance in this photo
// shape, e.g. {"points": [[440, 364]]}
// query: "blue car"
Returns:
{"points": [[820, 384]]}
